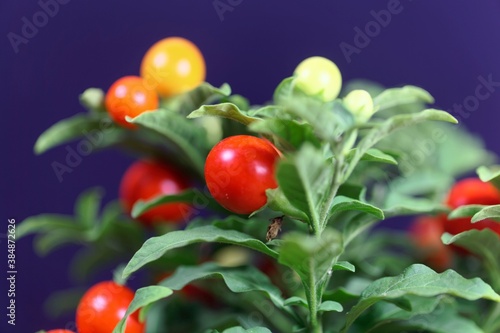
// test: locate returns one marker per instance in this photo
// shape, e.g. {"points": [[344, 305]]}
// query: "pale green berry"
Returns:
{"points": [[318, 76], [360, 104]]}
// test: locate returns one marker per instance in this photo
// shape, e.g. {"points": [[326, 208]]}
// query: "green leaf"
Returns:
{"points": [[373, 155], [304, 179], [224, 110], [344, 266], [311, 258], [289, 132], [485, 244], [284, 91], [277, 201], [156, 247], [269, 111], [399, 96], [489, 212], [191, 196], [443, 320], [382, 130], [238, 100], [465, 211], [72, 128], [329, 120], [430, 314], [240, 329], [238, 279], [295, 300], [327, 306], [87, 206], [46, 223], [143, 297], [490, 174], [420, 280], [48, 242], [63, 302], [190, 139], [205, 93], [341, 203]]}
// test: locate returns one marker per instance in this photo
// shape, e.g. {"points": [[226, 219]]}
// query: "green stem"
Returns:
{"points": [[337, 181], [314, 324]]}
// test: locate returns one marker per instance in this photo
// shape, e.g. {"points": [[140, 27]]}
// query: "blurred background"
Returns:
{"points": [[448, 47]]}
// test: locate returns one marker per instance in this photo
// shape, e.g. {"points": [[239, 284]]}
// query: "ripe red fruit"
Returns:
{"points": [[129, 96], [103, 306], [239, 170], [148, 179], [426, 233], [467, 192]]}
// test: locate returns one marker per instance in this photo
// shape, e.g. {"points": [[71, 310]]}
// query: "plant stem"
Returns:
{"points": [[314, 324], [337, 175]]}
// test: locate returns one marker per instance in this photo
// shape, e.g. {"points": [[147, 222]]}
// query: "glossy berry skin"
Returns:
{"points": [[102, 307], [148, 179], [172, 66], [426, 232], [60, 331], [129, 96], [467, 192], [238, 171]]}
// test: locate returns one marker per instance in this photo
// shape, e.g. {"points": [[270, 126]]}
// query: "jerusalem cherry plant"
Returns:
{"points": [[259, 218]]}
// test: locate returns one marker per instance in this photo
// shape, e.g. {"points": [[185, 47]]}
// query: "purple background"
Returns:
{"points": [[442, 46]]}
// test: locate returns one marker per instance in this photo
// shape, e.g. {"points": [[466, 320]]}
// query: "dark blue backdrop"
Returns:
{"points": [[442, 46]]}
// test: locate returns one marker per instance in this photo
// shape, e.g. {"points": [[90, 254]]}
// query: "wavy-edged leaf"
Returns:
{"points": [[269, 111], [192, 196], [277, 201], [203, 94], [63, 302], [238, 279], [344, 266], [392, 124], [284, 91], [46, 243], [465, 211], [342, 203], [289, 132], [415, 206], [373, 155], [88, 205], [489, 212], [327, 306], [490, 174], [432, 314], [485, 244], [420, 280], [72, 128], [190, 139], [46, 223], [143, 297], [240, 329], [224, 110], [295, 300], [304, 179], [392, 97], [444, 319], [155, 247]]}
